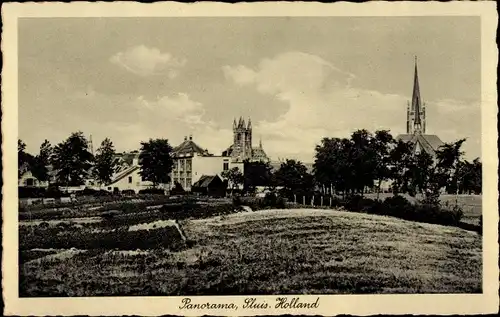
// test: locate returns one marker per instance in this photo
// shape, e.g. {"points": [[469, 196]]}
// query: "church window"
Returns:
{"points": [[225, 166], [130, 179]]}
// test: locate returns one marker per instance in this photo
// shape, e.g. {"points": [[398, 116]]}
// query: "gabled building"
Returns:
{"points": [[210, 185], [416, 134], [126, 176]]}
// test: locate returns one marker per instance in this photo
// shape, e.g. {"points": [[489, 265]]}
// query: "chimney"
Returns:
{"points": [[185, 138], [191, 137]]}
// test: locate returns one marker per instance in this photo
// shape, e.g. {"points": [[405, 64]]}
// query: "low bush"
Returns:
{"points": [[358, 203], [270, 200], [273, 200], [128, 192], [396, 206], [31, 192], [53, 192], [152, 191], [237, 202]]}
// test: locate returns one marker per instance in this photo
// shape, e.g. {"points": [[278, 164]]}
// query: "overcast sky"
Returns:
{"points": [[299, 79]]}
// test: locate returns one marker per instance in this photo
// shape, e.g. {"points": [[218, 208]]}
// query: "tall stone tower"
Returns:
{"points": [[415, 114], [242, 140]]}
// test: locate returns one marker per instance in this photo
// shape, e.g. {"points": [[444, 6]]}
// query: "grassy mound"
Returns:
{"points": [[289, 251]]}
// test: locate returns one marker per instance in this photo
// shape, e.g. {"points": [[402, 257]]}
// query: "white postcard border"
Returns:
{"points": [[487, 302]]}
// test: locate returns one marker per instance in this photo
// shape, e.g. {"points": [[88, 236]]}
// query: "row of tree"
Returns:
{"points": [[346, 165], [364, 161], [73, 162]]}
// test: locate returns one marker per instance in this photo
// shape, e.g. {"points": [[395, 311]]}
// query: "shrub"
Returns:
{"points": [[237, 202], [129, 192], [31, 192], [53, 192], [358, 203], [274, 201], [435, 214], [87, 192], [152, 191], [397, 206]]}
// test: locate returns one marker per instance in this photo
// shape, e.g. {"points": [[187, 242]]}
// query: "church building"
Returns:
{"points": [[416, 124], [242, 148]]}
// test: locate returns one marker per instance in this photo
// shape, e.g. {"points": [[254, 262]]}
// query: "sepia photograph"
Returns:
{"points": [[249, 155]]}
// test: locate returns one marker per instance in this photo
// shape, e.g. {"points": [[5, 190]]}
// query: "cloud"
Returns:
{"points": [[324, 101], [145, 61]]}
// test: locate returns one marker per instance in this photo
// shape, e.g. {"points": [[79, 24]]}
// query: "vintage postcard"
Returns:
{"points": [[249, 159]]}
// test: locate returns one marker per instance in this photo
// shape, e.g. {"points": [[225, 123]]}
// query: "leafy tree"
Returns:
{"points": [[40, 163], [401, 157], [477, 176], [234, 176], [104, 163], [293, 176], [256, 174], [329, 162], [469, 176], [363, 160], [421, 173], [156, 161], [448, 158], [72, 160], [382, 144], [24, 159]]}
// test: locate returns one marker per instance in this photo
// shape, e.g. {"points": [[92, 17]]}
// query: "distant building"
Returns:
{"points": [[416, 124], [210, 185], [191, 162], [126, 176], [28, 180], [242, 148]]}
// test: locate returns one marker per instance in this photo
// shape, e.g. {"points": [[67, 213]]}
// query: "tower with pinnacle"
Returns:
{"points": [[242, 140], [416, 134], [415, 113]]}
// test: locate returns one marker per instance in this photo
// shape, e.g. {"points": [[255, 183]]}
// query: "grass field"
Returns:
{"points": [[299, 251]]}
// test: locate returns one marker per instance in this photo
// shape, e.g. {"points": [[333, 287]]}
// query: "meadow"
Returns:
{"points": [[289, 251]]}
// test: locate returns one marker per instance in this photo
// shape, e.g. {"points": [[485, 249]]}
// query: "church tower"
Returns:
{"points": [[242, 140], [415, 113]]}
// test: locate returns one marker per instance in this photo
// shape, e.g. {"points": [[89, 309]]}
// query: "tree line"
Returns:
{"points": [[342, 165], [364, 161], [72, 162]]}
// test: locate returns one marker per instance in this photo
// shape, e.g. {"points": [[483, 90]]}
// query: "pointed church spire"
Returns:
{"points": [[249, 127], [234, 123], [416, 105], [260, 142]]}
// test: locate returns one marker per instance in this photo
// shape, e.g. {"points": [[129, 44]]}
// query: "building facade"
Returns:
{"points": [[191, 162]]}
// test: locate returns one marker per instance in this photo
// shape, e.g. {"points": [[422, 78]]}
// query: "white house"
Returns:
{"points": [[127, 175], [28, 180], [191, 162]]}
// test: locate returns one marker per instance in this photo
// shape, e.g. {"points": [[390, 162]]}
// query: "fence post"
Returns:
{"points": [[312, 201], [303, 200], [330, 201], [294, 198], [321, 201]]}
